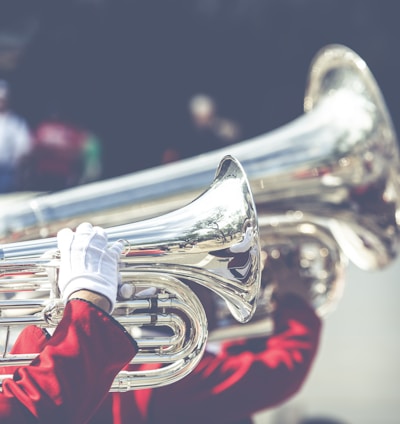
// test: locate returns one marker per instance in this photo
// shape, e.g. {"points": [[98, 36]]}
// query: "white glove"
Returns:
{"points": [[87, 263]]}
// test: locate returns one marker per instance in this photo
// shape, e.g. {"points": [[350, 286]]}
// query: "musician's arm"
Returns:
{"points": [[74, 371], [246, 376]]}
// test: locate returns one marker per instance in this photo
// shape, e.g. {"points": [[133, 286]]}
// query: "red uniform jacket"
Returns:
{"points": [[228, 387], [74, 371]]}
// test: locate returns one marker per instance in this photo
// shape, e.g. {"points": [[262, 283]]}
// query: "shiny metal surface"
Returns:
{"points": [[337, 166], [178, 349], [333, 169], [300, 253], [213, 241]]}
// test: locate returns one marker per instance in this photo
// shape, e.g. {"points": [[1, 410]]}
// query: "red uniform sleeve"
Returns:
{"points": [[72, 374], [245, 377]]}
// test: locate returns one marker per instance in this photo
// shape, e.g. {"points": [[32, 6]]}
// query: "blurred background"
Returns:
{"points": [[109, 87]]}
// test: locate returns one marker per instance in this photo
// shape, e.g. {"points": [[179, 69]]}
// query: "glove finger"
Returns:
{"points": [[99, 239], [117, 248], [64, 239], [150, 291], [84, 228], [81, 249], [101, 231]]}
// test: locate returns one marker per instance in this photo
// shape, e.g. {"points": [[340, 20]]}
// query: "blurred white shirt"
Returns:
{"points": [[15, 139]]}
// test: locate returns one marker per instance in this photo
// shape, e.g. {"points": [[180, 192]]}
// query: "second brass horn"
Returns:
{"points": [[213, 241], [337, 166]]}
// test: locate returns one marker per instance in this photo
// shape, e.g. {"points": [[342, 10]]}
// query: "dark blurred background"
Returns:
{"points": [[127, 69]]}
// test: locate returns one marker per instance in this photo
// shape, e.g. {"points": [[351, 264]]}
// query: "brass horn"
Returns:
{"points": [[213, 241], [347, 191], [336, 166], [300, 253]]}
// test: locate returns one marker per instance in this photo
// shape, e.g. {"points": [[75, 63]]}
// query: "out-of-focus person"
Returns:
{"points": [[64, 155], [209, 130], [15, 142]]}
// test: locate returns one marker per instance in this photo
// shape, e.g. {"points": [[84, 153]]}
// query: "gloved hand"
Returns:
{"points": [[87, 263]]}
